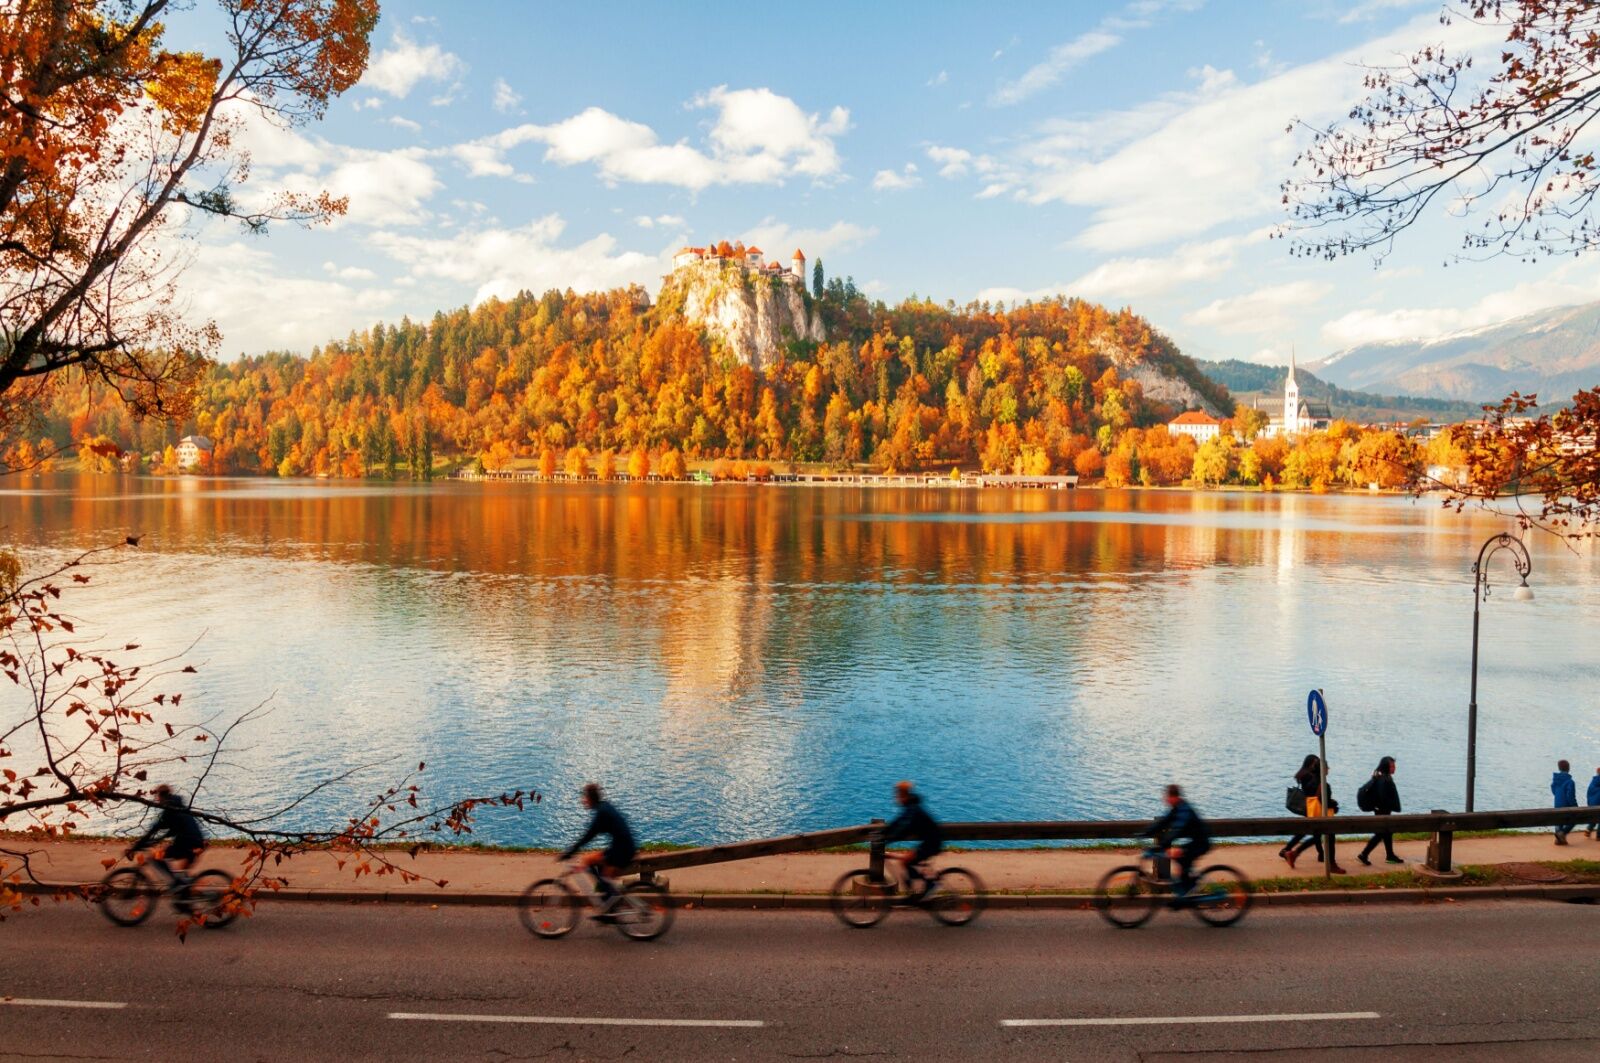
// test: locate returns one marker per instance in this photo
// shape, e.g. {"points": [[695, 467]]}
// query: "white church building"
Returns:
{"points": [[1299, 415]]}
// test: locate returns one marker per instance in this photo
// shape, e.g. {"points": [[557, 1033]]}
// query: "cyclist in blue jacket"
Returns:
{"points": [[615, 857], [1181, 824], [179, 824], [915, 823]]}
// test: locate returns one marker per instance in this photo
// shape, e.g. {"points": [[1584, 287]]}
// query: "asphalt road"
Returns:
{"points": [[1502, 981]]}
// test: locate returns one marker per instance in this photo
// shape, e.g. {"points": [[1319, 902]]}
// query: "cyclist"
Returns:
{"points": [[1181, 823], [179, 824], [618, 853], [915, 823]]}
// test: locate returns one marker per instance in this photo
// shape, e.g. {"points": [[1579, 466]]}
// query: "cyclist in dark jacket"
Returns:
{"points": [[916, 824], [178, 824], [619, 851], [1385, 801], [1181, 823]]}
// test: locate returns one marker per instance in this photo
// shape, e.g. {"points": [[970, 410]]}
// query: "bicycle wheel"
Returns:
{"points": [[549, 908], [643, 912], [1126, 898], [211, 899], [128, 896], [858, 900], [958, 897], [1221, 895]]}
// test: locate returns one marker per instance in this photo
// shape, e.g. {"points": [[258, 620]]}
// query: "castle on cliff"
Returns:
{"points": [[751, 258]]}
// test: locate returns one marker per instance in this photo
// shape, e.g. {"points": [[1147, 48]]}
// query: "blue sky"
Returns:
{"points": [[1127, 152]]}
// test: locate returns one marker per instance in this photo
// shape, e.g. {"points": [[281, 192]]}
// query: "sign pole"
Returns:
{"points": [[1317, 715]]}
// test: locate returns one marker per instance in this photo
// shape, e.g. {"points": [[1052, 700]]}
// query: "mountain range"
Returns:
{"points": [[1553, 353]]}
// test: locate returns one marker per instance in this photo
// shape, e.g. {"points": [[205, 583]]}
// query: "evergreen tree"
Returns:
{"points": [[816, 279]]}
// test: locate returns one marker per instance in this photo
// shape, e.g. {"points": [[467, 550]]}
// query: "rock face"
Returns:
{"points": [[1161, 381], [754, 316]]}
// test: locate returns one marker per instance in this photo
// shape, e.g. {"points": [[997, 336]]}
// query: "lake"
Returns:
{"points": [[739, 661]]}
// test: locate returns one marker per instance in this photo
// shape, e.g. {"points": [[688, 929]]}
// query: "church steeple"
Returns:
{"points": [[1291, 399]]}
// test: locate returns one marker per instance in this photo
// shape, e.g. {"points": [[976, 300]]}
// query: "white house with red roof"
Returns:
{"points": [[1196, 424]]}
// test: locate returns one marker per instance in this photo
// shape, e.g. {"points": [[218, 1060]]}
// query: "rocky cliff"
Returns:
{"points": [[754, 316]]}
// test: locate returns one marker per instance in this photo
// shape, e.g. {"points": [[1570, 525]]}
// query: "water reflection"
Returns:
{"points": [[737, 661]]}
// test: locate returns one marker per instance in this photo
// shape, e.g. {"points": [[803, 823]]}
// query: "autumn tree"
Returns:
{"points": [[114, 143], [639, 464], [672, 466], [1504, 147], [1554, 457]]}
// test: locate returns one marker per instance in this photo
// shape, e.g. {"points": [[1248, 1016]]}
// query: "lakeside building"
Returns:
{"points": [[1196, 424], [193, 452], [1299, 415], [753, 259]]}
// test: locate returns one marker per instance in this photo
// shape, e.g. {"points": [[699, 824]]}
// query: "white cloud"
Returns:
{"points": [[665, 221], [1062, 58], [400, 67], [896, 180], [758, 137], [349, 273], [506, 98], [939, 79], [1183, 165], [371, 103], [1263, 310], [1118, 281], [1139, 14], [958, 162], [778, 238], [383, 187], [1568, 284], [259, 307], [499, 262], [404, 123]]}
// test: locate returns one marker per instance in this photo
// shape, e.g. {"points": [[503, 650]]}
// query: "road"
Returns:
{"points": [[1501, 981]]}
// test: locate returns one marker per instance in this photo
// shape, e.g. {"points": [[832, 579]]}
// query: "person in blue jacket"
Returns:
{"points": [[914, 823], [1565, 792], [1181, 824], [1593, 800], [615, 857]]}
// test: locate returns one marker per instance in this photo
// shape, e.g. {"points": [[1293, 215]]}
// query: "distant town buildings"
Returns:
{"points": [[751, 258], [1196, 424], [194, 452]]}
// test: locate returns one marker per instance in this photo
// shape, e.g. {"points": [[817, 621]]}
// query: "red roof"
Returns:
{"points": [[752, 250], [691, 250], [799, 254], [1194, 417]]}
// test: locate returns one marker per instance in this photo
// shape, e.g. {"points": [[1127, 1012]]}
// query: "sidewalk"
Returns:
{"points": [[491, 877]]}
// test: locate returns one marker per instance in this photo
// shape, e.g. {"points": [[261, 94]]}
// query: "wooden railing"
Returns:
{"points": [[1442, 825]]}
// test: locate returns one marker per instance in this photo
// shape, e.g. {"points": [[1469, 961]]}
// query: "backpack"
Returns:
{"points": [[1366, 797]]}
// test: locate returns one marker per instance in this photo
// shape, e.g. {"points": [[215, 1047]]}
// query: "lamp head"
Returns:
{"points": [[1523, 593]]}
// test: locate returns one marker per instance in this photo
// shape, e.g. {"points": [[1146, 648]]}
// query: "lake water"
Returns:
{"points": [[735, 662]]}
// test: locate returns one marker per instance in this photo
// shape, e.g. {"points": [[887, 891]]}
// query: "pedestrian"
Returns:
{"points": [[1312, 780], [1380, 797], [1566, 795], [1305, 785], [1593, 800]]}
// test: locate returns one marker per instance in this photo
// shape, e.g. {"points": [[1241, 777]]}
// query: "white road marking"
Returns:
{"points": [[562, 1020], [1186, 1020], [24, 1002]]}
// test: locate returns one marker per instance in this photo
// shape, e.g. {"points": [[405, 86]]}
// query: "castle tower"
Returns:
{"points": [[1291, 399], [800, 265]]}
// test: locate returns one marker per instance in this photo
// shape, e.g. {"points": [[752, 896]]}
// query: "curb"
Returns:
{"points": [[751, 902]]}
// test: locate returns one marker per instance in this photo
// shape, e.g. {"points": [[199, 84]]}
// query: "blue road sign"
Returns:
{"points": [[1317, 713]]}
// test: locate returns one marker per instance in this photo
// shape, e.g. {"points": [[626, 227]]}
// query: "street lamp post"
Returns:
{"points": [[1480, 591]]}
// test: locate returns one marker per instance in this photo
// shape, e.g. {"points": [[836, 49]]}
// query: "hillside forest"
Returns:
{"points": [[602, 383]]}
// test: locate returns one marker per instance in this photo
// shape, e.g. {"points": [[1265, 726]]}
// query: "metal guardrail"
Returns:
{"points": [[1442, 825]]}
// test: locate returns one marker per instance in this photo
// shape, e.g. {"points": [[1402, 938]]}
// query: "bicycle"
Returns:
{"points": [[129, 895], [1128, 896], [861, 900], [549, 908]]}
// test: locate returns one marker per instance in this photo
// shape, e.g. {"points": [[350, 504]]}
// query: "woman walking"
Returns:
{"points": [[1309, 779], [1382, 799]]}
